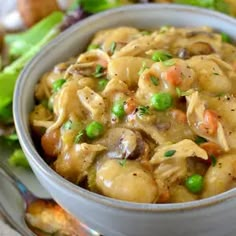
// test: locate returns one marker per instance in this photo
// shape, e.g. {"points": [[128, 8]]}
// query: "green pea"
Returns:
{"points": [[92, 46], [161, 56], [118, 109], [102, 83], [56, 85], [161, 101], [225, 38], [194, 183], [94, 129]]}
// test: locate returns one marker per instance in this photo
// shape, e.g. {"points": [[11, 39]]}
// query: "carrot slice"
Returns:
{"points": [[179, 116], [210, 122], [212, 149], [130, 106], [173, 75]]}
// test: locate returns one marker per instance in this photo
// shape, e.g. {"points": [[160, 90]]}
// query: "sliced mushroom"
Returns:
{"points": [[200, 48], [183, 53], [120, 142], [87, 62]]}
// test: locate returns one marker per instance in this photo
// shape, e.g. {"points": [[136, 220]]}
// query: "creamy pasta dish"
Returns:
{"points": [[145, 116]]}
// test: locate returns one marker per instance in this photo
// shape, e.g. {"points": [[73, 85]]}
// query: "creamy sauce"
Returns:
{"points": [[143, 116]]}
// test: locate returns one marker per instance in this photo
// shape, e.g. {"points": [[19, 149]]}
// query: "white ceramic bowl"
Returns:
{"points": [[213, 216]]}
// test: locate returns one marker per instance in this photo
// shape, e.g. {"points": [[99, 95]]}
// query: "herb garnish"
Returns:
{"points": [[99, 71], [79, 136], [213, 160], [143, 110], [67, 125], [169, 153], [161, 55], [181, 93], [199, 140], [143, 68], [123, 162], [113, 47], [154, 80]]}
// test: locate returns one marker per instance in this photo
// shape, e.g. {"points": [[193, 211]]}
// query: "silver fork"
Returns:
{"points": [[26, 195], [28, 198]]}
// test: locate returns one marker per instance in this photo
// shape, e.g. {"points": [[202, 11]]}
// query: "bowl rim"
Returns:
{"points": [[43, 167]]}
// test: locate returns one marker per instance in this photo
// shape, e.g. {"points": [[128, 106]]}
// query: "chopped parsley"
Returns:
{"points": [[221, 94], [199, 140], [143, 110], [113, 47], [169, 153], [143, 68], [161, 55], [181, 93], [67, 125], [154, 80], [216, 73], [213, 160], [92, 47], [123, 162], [99, 71], [79, 136], [225, 38]]}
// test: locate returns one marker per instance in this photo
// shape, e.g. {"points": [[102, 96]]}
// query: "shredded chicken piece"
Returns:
{"points": [[174, 167], [92, 102], [195, 116], [66, 103]]}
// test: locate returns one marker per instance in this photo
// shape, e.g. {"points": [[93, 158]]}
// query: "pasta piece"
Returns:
{"points": [[136, 47], [221, 177], [120, 35], [93, 103], [74, 161], [226, 107], [212, 74], [128, 182], [115, 86], [168, 78], [181, 194], [127, 69]]}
